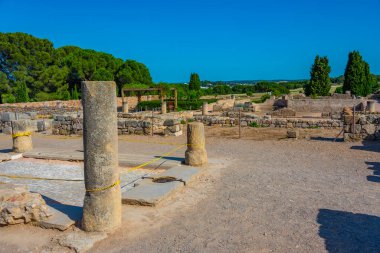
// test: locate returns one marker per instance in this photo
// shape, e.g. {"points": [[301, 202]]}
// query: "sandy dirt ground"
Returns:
{"points": [[264, 194]]}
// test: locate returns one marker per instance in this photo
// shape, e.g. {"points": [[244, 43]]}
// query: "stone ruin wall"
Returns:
{"points": [[232, 119], [367, 127], [50, 108], [72, 125], [329, 105]]}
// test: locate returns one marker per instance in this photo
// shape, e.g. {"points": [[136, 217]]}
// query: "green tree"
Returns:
{"points": [[22, 92], [357, 76], [195, 82], [320, 82], [4, 86]]}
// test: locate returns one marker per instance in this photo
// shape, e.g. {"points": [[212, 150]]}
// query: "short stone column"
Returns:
{"points": [[125, 107], [371, 106], [195, 154], [102, 201], [163, 107], [22, 136], [205, 108]]}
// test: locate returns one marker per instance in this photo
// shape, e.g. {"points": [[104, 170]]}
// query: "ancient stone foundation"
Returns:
{"points": [[195, 154], [102, 202], [366, 127], [22, 136]]}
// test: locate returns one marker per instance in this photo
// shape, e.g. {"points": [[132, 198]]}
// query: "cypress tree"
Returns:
{"points": [[195, 82], [22, 93], [320, 82], [74, 93], [357, 76]]}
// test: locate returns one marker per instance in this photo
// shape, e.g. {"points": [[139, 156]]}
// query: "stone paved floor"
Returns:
{"points": [[66, 192]]}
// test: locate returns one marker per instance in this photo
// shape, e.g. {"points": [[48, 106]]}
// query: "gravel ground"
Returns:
{"points": [[272, 195]]}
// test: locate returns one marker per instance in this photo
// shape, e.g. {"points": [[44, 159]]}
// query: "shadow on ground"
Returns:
{"points": [[373, 146], [73, 212], [7, 150], [328, 139], [375, 166], [173, 158], [349, 232]]}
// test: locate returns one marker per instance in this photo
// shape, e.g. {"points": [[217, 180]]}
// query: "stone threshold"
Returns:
{"points": [[149, 193]]}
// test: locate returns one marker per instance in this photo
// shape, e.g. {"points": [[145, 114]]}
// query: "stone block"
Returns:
{"points": [[18, 205], [8, 116], [293, 133]]}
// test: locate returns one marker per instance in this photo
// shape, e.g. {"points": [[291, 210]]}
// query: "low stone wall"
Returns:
{"points": [[61, 107], [367, 127], [68, 125], [322, 105], [267, 121]]}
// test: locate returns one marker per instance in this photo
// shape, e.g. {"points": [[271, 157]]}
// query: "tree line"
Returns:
{"points": [[31, 69], [357, 77]]}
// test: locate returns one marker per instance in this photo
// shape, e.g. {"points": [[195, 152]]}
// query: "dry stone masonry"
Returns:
{"points": [[18, 205], [367, 127]]}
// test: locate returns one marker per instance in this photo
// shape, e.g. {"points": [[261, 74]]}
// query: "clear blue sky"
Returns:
{"points": [[219, 39]]}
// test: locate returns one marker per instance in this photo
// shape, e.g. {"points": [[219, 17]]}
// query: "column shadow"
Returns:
{"points": [[73, 212], [349, 232]]}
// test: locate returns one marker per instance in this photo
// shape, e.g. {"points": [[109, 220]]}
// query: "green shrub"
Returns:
{"points": [[44, 96], [262, 99], [339, 90], [254, 124], [8, 98]]}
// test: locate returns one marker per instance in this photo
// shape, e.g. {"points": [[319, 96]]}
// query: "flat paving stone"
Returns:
{"points": [[127, 160], [149, 193]]}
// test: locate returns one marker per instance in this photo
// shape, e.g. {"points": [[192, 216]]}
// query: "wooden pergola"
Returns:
{"points": [[125, 92]]}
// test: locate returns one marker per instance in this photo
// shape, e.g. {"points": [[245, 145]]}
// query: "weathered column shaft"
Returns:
{"points": [[102, 202], [163, 107], [205, 108], [125, 107], [22, 136], [195, 154]]}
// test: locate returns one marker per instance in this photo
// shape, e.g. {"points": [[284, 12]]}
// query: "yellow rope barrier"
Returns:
{"points": [[156, 159], [104, 188], [39, 178], [21, 134]]}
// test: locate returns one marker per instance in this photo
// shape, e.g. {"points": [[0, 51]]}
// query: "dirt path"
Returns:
{"points": [[274, 196]]}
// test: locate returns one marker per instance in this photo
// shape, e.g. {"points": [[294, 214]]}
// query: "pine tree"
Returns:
{"points": [[195, 82], [357, 76], [320, 82]]}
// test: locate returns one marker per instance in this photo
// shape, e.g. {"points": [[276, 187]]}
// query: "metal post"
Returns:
{"points": [[152, 122], [353, 123], [239, 123]]}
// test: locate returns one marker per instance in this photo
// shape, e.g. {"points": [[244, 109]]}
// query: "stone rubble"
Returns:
{"points": [[18, 205]]}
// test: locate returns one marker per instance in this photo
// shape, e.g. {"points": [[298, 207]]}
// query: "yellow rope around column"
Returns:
{"points": [[22, 134], [104, 188]]}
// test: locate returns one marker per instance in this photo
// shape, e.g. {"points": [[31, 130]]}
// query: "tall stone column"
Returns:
{"points": [[205, 108], [371, 106], [124, 106], [195, 154], [22, 136], [102, 201], [163, 107]]}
